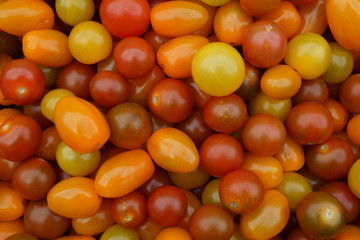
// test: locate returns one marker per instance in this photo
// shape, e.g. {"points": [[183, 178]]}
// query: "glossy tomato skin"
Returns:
{"points": [[25, 135], [22, 82], [7, 169], [13, 204], [125, 18], [74, 12], [349, 94], [314, 90]]}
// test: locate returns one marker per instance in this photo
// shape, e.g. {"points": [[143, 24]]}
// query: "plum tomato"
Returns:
{"points": [[291, 156]]}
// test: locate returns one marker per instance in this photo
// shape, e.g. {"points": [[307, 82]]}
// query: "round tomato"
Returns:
{"points": [[13, 204], [175, 233], [74, 12]]}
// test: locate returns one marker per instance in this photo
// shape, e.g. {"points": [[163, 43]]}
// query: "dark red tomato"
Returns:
{"points": [[48, 144], [149, 230], [263, 134], [350, 93], [76, 77], [170, 100], [22, 82], [20, 136], [40, 221], [34, 110], [241, 191], [195, 127], [33, 178], [302, 2], [167, 205], [10, 44], [211, 222], [130, 210], [251, 83], [225, 114], [130, 125], [330, 160], [158, 179], [125, 18], [7, 169], [314, 90], [264, 44], [320, 215], [309, 123], [109, 88], [158, 123], [200, 98], [134, 57], [349, 202], [220, 154]]}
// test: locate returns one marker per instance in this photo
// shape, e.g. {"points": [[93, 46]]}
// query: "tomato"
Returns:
{"points": [[349, 232], [320, 215], [353, 178], [75, 237], [170, 100], [286, 16], [7, 169], [22, 82], [215, 2], [251, 83], [211, 222], [349, 202], [241, 191], [20, 136], [177, 18], [134, 57], [193, 204], [125, 18], [257, 224], [96, 223], [10, 228], [129, 211], [90, 42], [225, 114], [74, 12], [315, 126], [175, 233], [349, 94], [80, 124], [123, 173], [280, 82], [158, 179], [173, 150], [230, 23], [314, 90], [291, 156], [263, 134], [22, 236], [175, 56], [294, 187], [48, 47], [348, 18], [167, 205], [42, 222], [130, 125], [200, 97], [10, 44], [191, 180], [220, 154], [313, 18], [149, 230], [32, 15], [268, 169], [50, 99], [118, 232], [330, 160], [210, 193], [258, 8], [6, 113], [13, 204], [297, 234], [226, 73], [34, 111], [264, 44], [72, 206], [207, 29]]}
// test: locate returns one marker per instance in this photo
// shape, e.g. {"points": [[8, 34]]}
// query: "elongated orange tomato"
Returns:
{"points": [[123, 173], [176, 55], [80, 124], [48, 47], [18, 17], [173, 150], [291, 156], [177, 18]]}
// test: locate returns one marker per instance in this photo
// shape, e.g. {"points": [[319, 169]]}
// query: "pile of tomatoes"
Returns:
{"points": [[180, 119]]}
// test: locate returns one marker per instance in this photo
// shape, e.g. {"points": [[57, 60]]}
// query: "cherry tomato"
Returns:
{"points": [[13, 204], [74, 12], [191, 180], [9, 228], [118, 232], [22, 236], [314, 90], [251, 83], [193, 204], [258, 8], [50, 99], [123, 173], [7, 169], [158, 179], [353, 178], [10, 44], [291, 156], [313, 18], [149, 230], [175, 233], [349, 95], [349, 232]]}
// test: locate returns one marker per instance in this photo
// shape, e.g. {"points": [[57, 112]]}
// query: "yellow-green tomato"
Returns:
{"points": [[73, 12], [215, 2], [309, 54], [48, 102], [90, 42], [218, 69], [118, 232], [74, 163], [341, 65], [354, 178]]}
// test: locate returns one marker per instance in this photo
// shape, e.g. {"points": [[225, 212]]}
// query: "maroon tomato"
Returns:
{"points": [[314, 90], [350, 93], [22, 82], [158, 179]]}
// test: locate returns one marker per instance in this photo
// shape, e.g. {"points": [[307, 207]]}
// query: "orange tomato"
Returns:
{"points": [[313, 18], [352, 129], [174, 233], [207, 29], [177, 18], [11, 227], [18, 17], [339, 114], [123, 173], [176, 55], [173, 150], [349, 232], [75, 237], [343, 18], [230, 23], [268, 219], [12, 204], [48, 47], [6, 113], [74, 197], [291, 155], [80, 124], [7, 169], [267, 168]]}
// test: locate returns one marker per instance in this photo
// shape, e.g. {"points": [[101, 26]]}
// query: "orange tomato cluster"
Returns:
{"points": [[180, 119]]}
